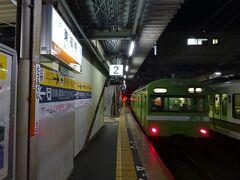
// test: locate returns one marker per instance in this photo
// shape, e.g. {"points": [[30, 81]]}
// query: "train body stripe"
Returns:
{"points": [[226, 125], [177, 118]]}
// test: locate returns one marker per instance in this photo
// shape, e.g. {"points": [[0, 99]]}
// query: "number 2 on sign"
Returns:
{"points": [[116, 68]]}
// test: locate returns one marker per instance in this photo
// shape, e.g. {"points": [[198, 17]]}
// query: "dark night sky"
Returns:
{"points": [[212, 15]]}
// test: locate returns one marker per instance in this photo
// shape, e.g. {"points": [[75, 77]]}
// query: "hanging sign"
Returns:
{"points": [[116, 70], [59, 41]]}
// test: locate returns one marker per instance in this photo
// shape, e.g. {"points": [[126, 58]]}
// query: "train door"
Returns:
{"points": [[217, 107], [139, 107], [211, 105], [224, 104], [143, 109]]}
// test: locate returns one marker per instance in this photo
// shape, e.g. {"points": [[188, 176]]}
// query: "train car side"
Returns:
{"points": [[224, 107]]}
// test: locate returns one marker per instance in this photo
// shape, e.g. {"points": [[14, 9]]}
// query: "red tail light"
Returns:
{"points": [[154, 130], [203, 132]]}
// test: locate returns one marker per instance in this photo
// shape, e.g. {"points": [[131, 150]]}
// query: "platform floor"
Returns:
{"points": [[119, 151]]}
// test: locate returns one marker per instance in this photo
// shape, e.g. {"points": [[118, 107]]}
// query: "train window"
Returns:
{"points": [[236, 106], [178, 104], [217, 104], [157, 104], [224, 104]]}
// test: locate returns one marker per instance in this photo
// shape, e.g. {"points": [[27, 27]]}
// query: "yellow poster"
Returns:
{"points": [[3, 67]]}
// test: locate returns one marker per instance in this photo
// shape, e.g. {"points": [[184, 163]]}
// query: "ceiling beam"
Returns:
{"points": [[110, 35], [140, 9]]}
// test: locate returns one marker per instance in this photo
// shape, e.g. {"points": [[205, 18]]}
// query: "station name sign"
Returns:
{"points": [[59, 41]]}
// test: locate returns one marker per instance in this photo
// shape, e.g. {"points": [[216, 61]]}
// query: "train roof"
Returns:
{"points": [[171, 81]]}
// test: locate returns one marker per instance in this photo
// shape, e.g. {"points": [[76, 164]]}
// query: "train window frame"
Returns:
{"points": [[224, 104], [234, 114], [158, 108], [164, 109]]}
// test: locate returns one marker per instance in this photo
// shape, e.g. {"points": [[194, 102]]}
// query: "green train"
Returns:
{"points": [[224, 108], [169, 107]]}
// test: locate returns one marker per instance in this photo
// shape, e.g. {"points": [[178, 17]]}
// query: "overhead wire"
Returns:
{"points": [[225, 18], [215, 14]]}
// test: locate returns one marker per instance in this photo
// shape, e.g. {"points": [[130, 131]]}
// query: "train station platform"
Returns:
{"points": [[120, 151]]}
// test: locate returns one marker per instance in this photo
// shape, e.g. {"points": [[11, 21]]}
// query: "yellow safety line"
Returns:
{"points": [[125, 168]]}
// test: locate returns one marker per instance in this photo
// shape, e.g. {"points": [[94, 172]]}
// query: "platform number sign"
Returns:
{"points": [[116, 70]]}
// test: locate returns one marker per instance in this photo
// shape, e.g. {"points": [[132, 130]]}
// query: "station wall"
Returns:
{"points": [[84, 115], [62, 136]]}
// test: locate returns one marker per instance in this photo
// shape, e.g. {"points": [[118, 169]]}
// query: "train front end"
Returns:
{"points": [[177, 108]]}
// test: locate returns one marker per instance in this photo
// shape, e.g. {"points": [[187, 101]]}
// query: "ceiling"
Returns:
{"points": [[115, 23]]}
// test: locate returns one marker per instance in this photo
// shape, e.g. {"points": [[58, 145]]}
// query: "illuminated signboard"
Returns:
{"points": [[59, 41]]}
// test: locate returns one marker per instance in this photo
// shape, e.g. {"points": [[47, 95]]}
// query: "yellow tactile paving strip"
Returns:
{"points": [[125, 168], [152, 163]]}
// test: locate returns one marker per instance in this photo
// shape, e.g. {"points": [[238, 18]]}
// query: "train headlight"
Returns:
{"points": [[198, 90], [191, 90]]}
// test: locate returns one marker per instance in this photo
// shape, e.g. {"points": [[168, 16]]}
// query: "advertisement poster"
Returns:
{"points": [[5, 94]]}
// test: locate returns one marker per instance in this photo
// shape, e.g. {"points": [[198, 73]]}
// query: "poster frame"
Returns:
{"points": [[12, 115]]}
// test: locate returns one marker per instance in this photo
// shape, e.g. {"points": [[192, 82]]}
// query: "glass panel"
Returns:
{"points": [[236, 106], [181, 104], [157, 104], [217, 104], [224, 104]]}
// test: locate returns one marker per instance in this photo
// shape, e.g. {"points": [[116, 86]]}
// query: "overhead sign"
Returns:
{"points": [[116, 70], [59, 41]]}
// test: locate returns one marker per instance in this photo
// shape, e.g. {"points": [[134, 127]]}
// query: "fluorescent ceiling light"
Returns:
{"points": [[126, 68], [155, 49], [218, 73], [14, 2], [130, 76], [131, 48]]}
